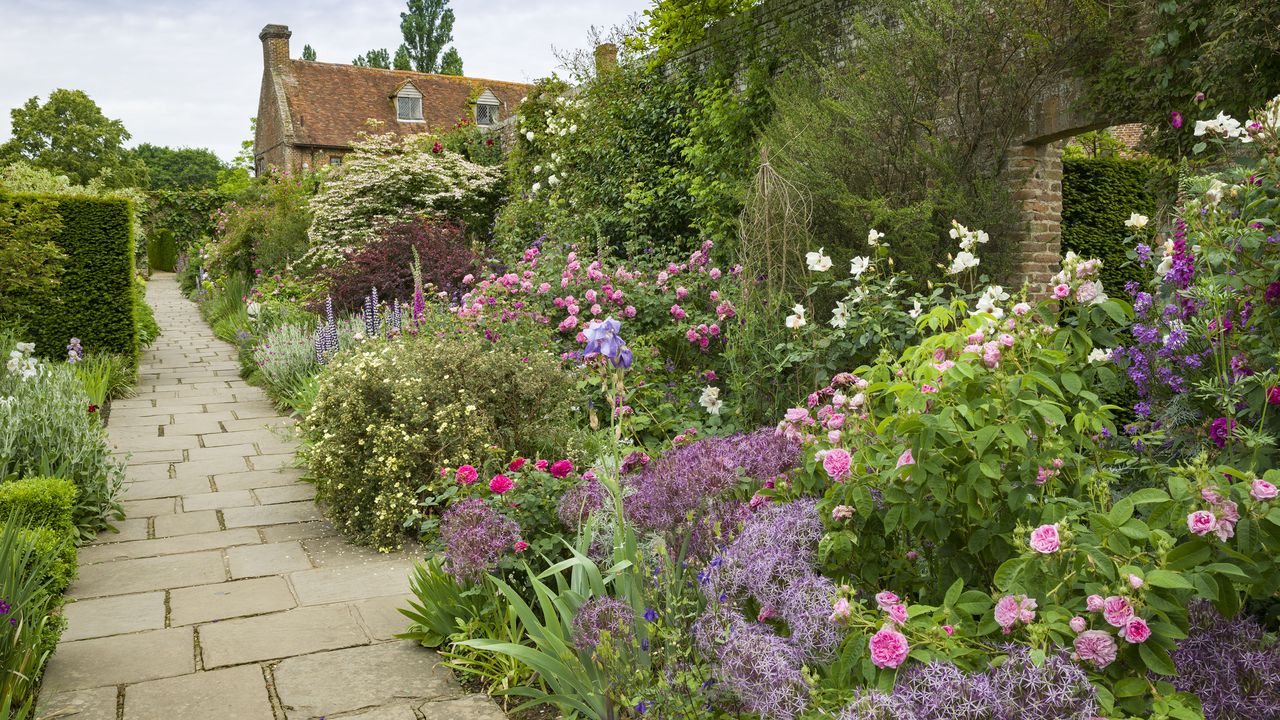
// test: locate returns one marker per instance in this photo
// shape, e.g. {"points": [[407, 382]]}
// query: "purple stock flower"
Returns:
{"points": [[476, 536], [602, 615]]}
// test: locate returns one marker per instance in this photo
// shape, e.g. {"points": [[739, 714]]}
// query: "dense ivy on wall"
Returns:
{"points": [[188, 215], [1098, 196]]}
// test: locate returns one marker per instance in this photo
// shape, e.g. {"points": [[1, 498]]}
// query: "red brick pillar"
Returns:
{"points": [[1034, 174]]}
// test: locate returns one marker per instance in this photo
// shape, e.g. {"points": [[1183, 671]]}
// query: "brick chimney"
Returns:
{"points": [[275, 45], [606, 57]]}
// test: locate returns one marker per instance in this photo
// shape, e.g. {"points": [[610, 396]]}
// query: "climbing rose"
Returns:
{"points": [[561, 468], [1202, 522], [521, 546], [1136, 631], [836, 463], [1262, 490], [466, 475], [541, 465], [1117, 611], [1061, 291], [1097, 647], [888, 648], [1078, 624], [1044, 539], [500, 484]]}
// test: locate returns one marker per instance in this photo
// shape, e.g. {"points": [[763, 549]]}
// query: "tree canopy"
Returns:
{"points": [[427, 28], [179, 168], [70, 134], [378, 58]]}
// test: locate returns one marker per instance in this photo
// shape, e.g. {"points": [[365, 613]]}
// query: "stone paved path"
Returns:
{"points": [[225, 594]]}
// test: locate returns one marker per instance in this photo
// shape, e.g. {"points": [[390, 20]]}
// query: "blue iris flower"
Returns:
{"points": [[602, 339]]}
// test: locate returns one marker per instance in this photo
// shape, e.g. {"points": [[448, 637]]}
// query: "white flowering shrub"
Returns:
{"points": [[388, 179]]}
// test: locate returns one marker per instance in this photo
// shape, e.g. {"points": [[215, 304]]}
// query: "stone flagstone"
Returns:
{"points": [[226, 594]]}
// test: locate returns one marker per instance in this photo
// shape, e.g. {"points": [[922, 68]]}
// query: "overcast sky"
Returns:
{"points": [[186, 74]]}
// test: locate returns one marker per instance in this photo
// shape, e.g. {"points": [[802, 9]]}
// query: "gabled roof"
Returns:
{"points": [[330, 103]]}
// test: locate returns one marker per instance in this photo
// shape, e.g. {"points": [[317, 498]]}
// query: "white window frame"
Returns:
{"points": [[489, 100], [410, 93]]}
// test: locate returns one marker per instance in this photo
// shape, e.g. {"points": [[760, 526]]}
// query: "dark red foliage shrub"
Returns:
{"points": [[386, 264]]}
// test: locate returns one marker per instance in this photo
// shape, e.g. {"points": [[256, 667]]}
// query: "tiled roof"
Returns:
{"points": [[331, 104]]}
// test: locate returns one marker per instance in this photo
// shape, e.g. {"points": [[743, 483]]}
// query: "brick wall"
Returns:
{"points": [[1034, 175]]}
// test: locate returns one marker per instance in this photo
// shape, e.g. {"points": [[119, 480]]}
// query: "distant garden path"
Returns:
{"points": [[225, 594]]}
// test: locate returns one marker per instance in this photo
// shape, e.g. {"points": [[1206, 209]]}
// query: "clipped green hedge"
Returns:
{"points": [[162, 251], [96, 290], [41, 501], [1098, 195]]}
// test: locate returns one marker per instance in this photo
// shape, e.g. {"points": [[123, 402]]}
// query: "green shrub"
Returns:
{"points": [[42, 501], [27, 585], [1098, 195], [46, 429], [389, 417], [144, 316], [95, 281], [59, 548], [162, 251]]}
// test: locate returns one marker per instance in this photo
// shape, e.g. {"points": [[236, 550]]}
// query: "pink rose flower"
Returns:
{"points": [[677, 312], [516, 464], [886, 599], [898, 613], [948, 630], [1044, 539], [520, 546], [1094, 603], [1135, 582], [842, 512], [1136, 631], [906, 459], [1061, 291], [561, 468], [1202, 522], [1262, 490], [501, 484], [541, 465], [927, 388], [1117, 611], [466, 475], [889, 648], [841, 612], [1006, 339], [1006, 612], [1078, 624], [837, 463], [1096, 647]]}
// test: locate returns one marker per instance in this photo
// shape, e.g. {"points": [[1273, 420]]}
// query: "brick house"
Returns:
{"points": [[309, 113]]}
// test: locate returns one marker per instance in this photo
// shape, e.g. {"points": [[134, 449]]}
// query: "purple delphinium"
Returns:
{"points": [[667, 490], [369, 311], [579, 501], [475, 536], [761, 670], [602, 615], [1229, 665]]}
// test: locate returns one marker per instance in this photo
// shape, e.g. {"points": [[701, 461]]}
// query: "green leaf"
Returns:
{"points": [[1071, 382], [1156, 659], [1168, 579], [1120, 512], [1130, 687], [1146, 496], [1008, 572], [953, 593], [1199, 147]]}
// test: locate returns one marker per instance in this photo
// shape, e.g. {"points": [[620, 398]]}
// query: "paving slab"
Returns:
{"points": [[220, 452], [149, 508], [151, 489], [169, 546], [270, 514], [186, 523], [146, 473], [149, 457], [217, 500], [223, 601], [382, 616], [280, 635], [256, 423], [212, 466], [403, 711], [329, 683], [121, 659], [125, 530], [113, 616], [471, 707], [157, 573], [241, 437], [93, 704], [254, 479], [239, 693], [297, 531], [285, 493], [335, 551], [267, 559], [351, 582], [273, 462]]}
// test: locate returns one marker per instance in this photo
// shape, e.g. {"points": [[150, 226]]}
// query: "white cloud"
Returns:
{"points": [[187, 74]]}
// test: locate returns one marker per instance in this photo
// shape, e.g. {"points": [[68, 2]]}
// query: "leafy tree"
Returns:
{"points": [[70, 134], [238, 175], [451, 63], [378, 58], [672, 25], [402, 61], [308, 53], [181, 168], [427, 28]]}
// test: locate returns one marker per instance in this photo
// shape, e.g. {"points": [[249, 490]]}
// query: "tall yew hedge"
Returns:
{"points": [[95, 294], [1098, 195]]}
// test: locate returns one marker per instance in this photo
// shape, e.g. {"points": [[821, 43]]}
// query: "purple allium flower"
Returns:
{"points": [[805, 606], [776, 547], [761, 670], [475, 536], [1229, 664], [579, 501], [602, 615]]}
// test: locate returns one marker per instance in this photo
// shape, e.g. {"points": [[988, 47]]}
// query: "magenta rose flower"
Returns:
{"points": [[1117, 611], [516, 464], [837, 463], [889, 648], [466, 475], [1044, 539], [501, 484], [1202, 522], [541, 465], [1096, 647], [561, 468], [1136, 631], [1262, 490]]}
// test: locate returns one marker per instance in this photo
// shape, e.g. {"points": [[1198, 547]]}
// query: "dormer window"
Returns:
{"points": [[487, 108], [409, 104]]}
